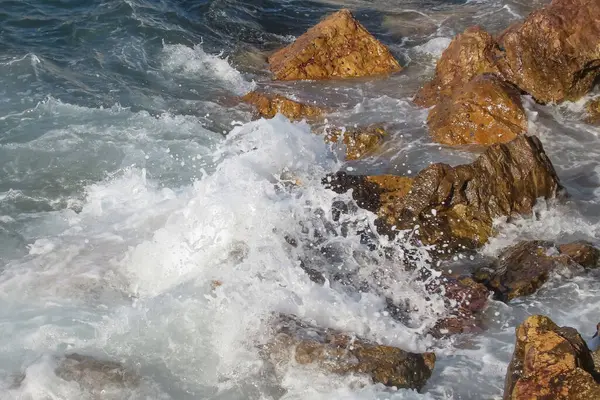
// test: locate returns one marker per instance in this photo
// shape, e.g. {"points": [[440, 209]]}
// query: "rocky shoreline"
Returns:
{"points": [[473, 99]]}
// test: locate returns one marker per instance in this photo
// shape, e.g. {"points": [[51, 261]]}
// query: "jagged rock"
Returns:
{"points": [[267, 106], [359, 142], [455, 207], [370, 192], [522, 269], [95, 375], [592, 109], [583, 253], [470, 54], [337, 47], [484, 111], [465, 299], [554, 54], [340, 353], [550, 362]]}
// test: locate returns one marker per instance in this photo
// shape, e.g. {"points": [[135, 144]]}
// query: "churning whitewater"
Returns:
{"points": [[147, 219]]}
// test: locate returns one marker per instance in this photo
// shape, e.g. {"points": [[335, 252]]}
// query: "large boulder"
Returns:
{"points": [[267, 106], [484, 111], [340, 353], [522, 269], [550, 362], [470, 54], [337, 47], [454, 207], [554, 55]]}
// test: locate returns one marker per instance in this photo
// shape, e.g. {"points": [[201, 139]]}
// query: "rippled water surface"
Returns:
{"points": [[131, 179]]}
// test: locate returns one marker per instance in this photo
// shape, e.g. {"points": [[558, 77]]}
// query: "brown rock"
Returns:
{"points": [[550, 363], [339, 353], [583, 253], [554, 55], [456, 206], [470, 54], [592, 108], [96, 375], [484, 111], [268, 106], [522, 269], [359, 142], [465, 299], [337, 47]]}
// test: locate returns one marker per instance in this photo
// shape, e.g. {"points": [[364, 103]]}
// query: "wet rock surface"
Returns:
{"points": [[455, 207], [550, 362], [484, 111], [470, 54], [336, 352], [337, 47], [465, 299], [554, 54], [268, 105], [359, 142], [94, 374], [522, 269], [592, 109]]}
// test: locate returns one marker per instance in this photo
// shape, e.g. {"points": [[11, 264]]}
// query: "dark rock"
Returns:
{"points": [[339, 353], [522, 269], [465, 299]]}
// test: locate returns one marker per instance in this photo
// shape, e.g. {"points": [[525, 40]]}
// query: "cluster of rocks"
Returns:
{"points": [[473, 98]]}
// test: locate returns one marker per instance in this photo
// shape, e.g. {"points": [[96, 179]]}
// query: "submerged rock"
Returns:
{"points": [[337, 47], [484, 111], [267, 106], [554, 55], [522, 269], [95, 375], [582, 252], [592, 109], [454, 207], [550, 362], [359, 142], [465, 299], [470, 54], [339, 353]]}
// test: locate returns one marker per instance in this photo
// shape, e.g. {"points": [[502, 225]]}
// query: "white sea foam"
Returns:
{"points": [[434, 47], [195, 63]]}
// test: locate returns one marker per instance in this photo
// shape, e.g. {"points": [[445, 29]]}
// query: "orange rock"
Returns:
{"points": [[484, 111], [554, 55], [359, 142], [337, 47], [269, 105], [550, 362], [470, 54]]}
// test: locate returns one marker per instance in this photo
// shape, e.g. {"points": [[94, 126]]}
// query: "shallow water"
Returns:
{"points": [[132, 179]]}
